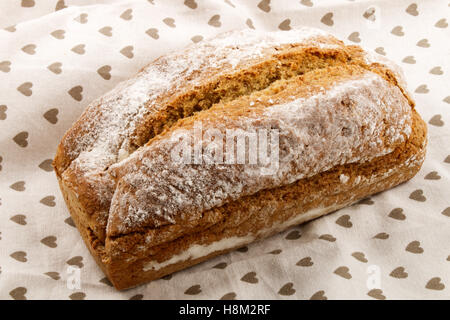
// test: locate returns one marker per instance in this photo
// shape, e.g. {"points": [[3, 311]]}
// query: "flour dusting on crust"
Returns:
{"points": [[355, 120]]}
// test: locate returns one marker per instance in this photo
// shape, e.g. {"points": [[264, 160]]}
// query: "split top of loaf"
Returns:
{"points": [[330, 103]]}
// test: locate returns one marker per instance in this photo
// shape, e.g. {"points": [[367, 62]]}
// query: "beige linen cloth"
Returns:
{"points": [[57, 56]]}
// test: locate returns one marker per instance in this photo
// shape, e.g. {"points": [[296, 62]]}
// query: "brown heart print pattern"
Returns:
{"points": [[327, 237], [397, 214], [196, 39], [82, 18], [264, 5], [412, 9], [76, 261], [250, 278], [319, 295], [106, 31], [105, 72], [19, 219], [5, 66], [354, 37], [170, 22], [153, 32], [46, 165], [229, 296], [343, 272], [327, 19], [127, 14], [293, 235], [76, 93], [18, 293], [285, 25], [381, 236], [3, 109], [25, 89], [433, 175], [221, 265], [18, 186], [446, 212], [20, 256], [442, 23], [305, 262], [191, 4], [48, 201], [360, 256], [214, 21], [194, 290], [55, 67], [424, 43], [77, 296], [29, 49], [79, 49], [435, 284], [399, 273], [418, 195], [27, 3], [398, 31], [414, 247], [49, 241], [376, 294], [287, 289], [127, 51], [51, 115], [344, 221], [53, 275], [58, 34], [436, 120]]}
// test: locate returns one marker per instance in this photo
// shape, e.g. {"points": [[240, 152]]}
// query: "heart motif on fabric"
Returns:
{"points": [[153, 32], [76, 93], [5, 66], [285, 25], [399, 273], [360, 256], [127, 52], [106, 31], [414, 247], [76, 261], [55, 67], [398, 31], [287, 289], [344, 221], [319, 295], [21, 139], [48, 201], [19, 219], [264, 5], [191, 4], [250, 278], [105, 72], [327, 19], [435, 284], [51, 115], [25, 89], [418, 195], [343, 272], [215, 21], [127, 14], [170, 22], [305, 262], [18, 186], [397, 214], [49, 241], [20, 256], [376, 294], [196, 289]]}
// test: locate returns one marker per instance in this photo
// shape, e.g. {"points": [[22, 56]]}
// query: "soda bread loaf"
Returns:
{"points": [[344, 128]]}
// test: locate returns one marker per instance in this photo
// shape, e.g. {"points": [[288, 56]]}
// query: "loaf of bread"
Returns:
{"points": [[153, 188]]}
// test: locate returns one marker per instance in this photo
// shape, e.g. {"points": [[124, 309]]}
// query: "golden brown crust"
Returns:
{"points": [[283, 71]]}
